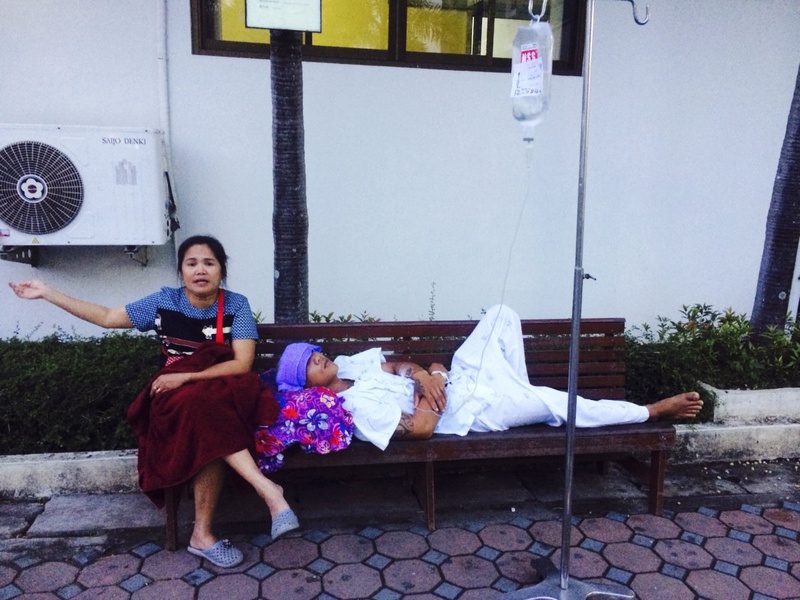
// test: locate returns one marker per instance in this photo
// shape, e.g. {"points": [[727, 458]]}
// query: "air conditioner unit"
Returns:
{"points": [[83, 186]]}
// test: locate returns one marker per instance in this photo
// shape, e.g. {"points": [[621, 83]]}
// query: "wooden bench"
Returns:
{"points": [[601, 374]]}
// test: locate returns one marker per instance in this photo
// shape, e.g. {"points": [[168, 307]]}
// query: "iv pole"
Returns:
{"points": [[549, 588]]}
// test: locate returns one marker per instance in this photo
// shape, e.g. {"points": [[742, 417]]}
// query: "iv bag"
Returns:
{"points": [[531, 71]]}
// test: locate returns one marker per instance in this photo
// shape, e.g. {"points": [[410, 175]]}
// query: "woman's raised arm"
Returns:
{"points": [[110, 318]]}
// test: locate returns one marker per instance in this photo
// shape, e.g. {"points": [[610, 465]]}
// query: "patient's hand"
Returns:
{"points": [[431, 387]]}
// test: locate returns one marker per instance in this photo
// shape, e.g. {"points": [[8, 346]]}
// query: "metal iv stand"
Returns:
{"points": [[556, 584]]}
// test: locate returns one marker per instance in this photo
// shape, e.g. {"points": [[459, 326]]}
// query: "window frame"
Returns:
{"points": [[396, 55]]}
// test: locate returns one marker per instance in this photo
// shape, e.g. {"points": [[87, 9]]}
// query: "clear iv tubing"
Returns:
{"points": [[525, 200]]}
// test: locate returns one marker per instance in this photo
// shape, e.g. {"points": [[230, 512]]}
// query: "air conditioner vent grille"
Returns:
{"points": [[41, 191]]}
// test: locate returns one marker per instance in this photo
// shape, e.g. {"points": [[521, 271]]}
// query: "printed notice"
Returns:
{"points": [[527, 76], [294, 15]]}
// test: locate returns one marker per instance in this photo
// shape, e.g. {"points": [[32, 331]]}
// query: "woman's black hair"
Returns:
{"points": [[205, 240]]}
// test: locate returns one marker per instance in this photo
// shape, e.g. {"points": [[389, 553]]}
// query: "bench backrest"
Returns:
{"points": [[601, 372]]}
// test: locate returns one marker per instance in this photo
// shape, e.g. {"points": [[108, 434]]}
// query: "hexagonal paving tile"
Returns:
{"points": [[401, 544], [747, 522], [683, 554], [701, 524], [632, 557], [733, 551], [770, 582], [657, 585], [292, 584], [658, 528], [412, 576], [236, 586], [110, 570], [351, 581], [549, 532], [165, 564], [605, 530], [583, 564], [347, 548], [717, 586], [46, 577], [290, 553], [469, 571], [790, 519], [454, 541], [779, 547], [505, 537]]}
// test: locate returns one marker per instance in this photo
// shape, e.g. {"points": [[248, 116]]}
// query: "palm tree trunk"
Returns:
{"points": [[783, 230], [290, 212]]}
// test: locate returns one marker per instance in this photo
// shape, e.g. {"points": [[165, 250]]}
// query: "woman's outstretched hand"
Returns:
{"points": [[29, 290]]}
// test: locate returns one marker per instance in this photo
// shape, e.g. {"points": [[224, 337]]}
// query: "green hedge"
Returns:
{"points": [[66, 393], [718, 348]]}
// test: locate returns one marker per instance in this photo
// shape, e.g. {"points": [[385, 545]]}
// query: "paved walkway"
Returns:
{"points": [[731, 531]]}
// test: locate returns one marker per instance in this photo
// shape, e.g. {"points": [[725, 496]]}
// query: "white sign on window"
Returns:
{"points": [[294, 15]]}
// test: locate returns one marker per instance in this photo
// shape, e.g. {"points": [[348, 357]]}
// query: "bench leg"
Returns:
{"points": [[172, 498], [658, 469], [430, 496]]}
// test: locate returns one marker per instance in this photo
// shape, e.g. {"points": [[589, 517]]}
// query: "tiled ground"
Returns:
{"points": [[750, 553]]}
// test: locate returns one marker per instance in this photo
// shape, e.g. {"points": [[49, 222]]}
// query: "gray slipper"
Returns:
{"points": [[284, 522], [222, 554]]}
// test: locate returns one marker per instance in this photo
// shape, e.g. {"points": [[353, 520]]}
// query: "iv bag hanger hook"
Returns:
{"points": [[636, 16], [533, 15]]}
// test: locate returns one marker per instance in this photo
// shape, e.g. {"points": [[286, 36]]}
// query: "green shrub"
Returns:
{"points": [[318, 317], [66, 393], [718, 348]]}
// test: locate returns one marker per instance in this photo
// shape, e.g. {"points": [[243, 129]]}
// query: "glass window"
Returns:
{"points": [[354, 24], [452, 34], [449, 27]]}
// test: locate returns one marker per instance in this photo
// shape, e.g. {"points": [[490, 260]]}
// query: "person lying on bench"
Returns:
{"points": [[486, 389]]}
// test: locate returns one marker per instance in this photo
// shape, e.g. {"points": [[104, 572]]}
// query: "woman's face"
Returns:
{"points": [[201, 271], [320, 371]]}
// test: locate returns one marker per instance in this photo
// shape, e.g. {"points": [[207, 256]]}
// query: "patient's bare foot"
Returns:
{"points": [[682, 406]]}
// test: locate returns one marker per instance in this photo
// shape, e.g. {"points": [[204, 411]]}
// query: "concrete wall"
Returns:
{"points": [[417, 178]]}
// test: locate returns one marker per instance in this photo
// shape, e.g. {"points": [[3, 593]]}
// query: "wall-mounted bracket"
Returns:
{"points": [[137, 253], [28, 255]]}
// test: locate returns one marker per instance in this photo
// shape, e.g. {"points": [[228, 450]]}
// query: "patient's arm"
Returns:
{"points": [[420, 425], [425, 385], [403, 368]]}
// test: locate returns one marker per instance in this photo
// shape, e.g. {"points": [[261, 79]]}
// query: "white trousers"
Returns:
{"points": [[488, 371]]}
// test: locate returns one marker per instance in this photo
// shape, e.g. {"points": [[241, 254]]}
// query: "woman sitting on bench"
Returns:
{"points": [[198, 414], [486, 389]]}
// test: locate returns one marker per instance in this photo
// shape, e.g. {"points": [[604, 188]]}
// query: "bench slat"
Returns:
{"points": [[531, 440], [602, 348], [399, 329], [439, 344]]}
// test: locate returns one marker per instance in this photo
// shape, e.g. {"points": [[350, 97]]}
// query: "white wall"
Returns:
{"points": [[417, 177]]}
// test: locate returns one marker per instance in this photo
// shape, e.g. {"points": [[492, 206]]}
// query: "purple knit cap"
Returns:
{"points": [[292, 366]]}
